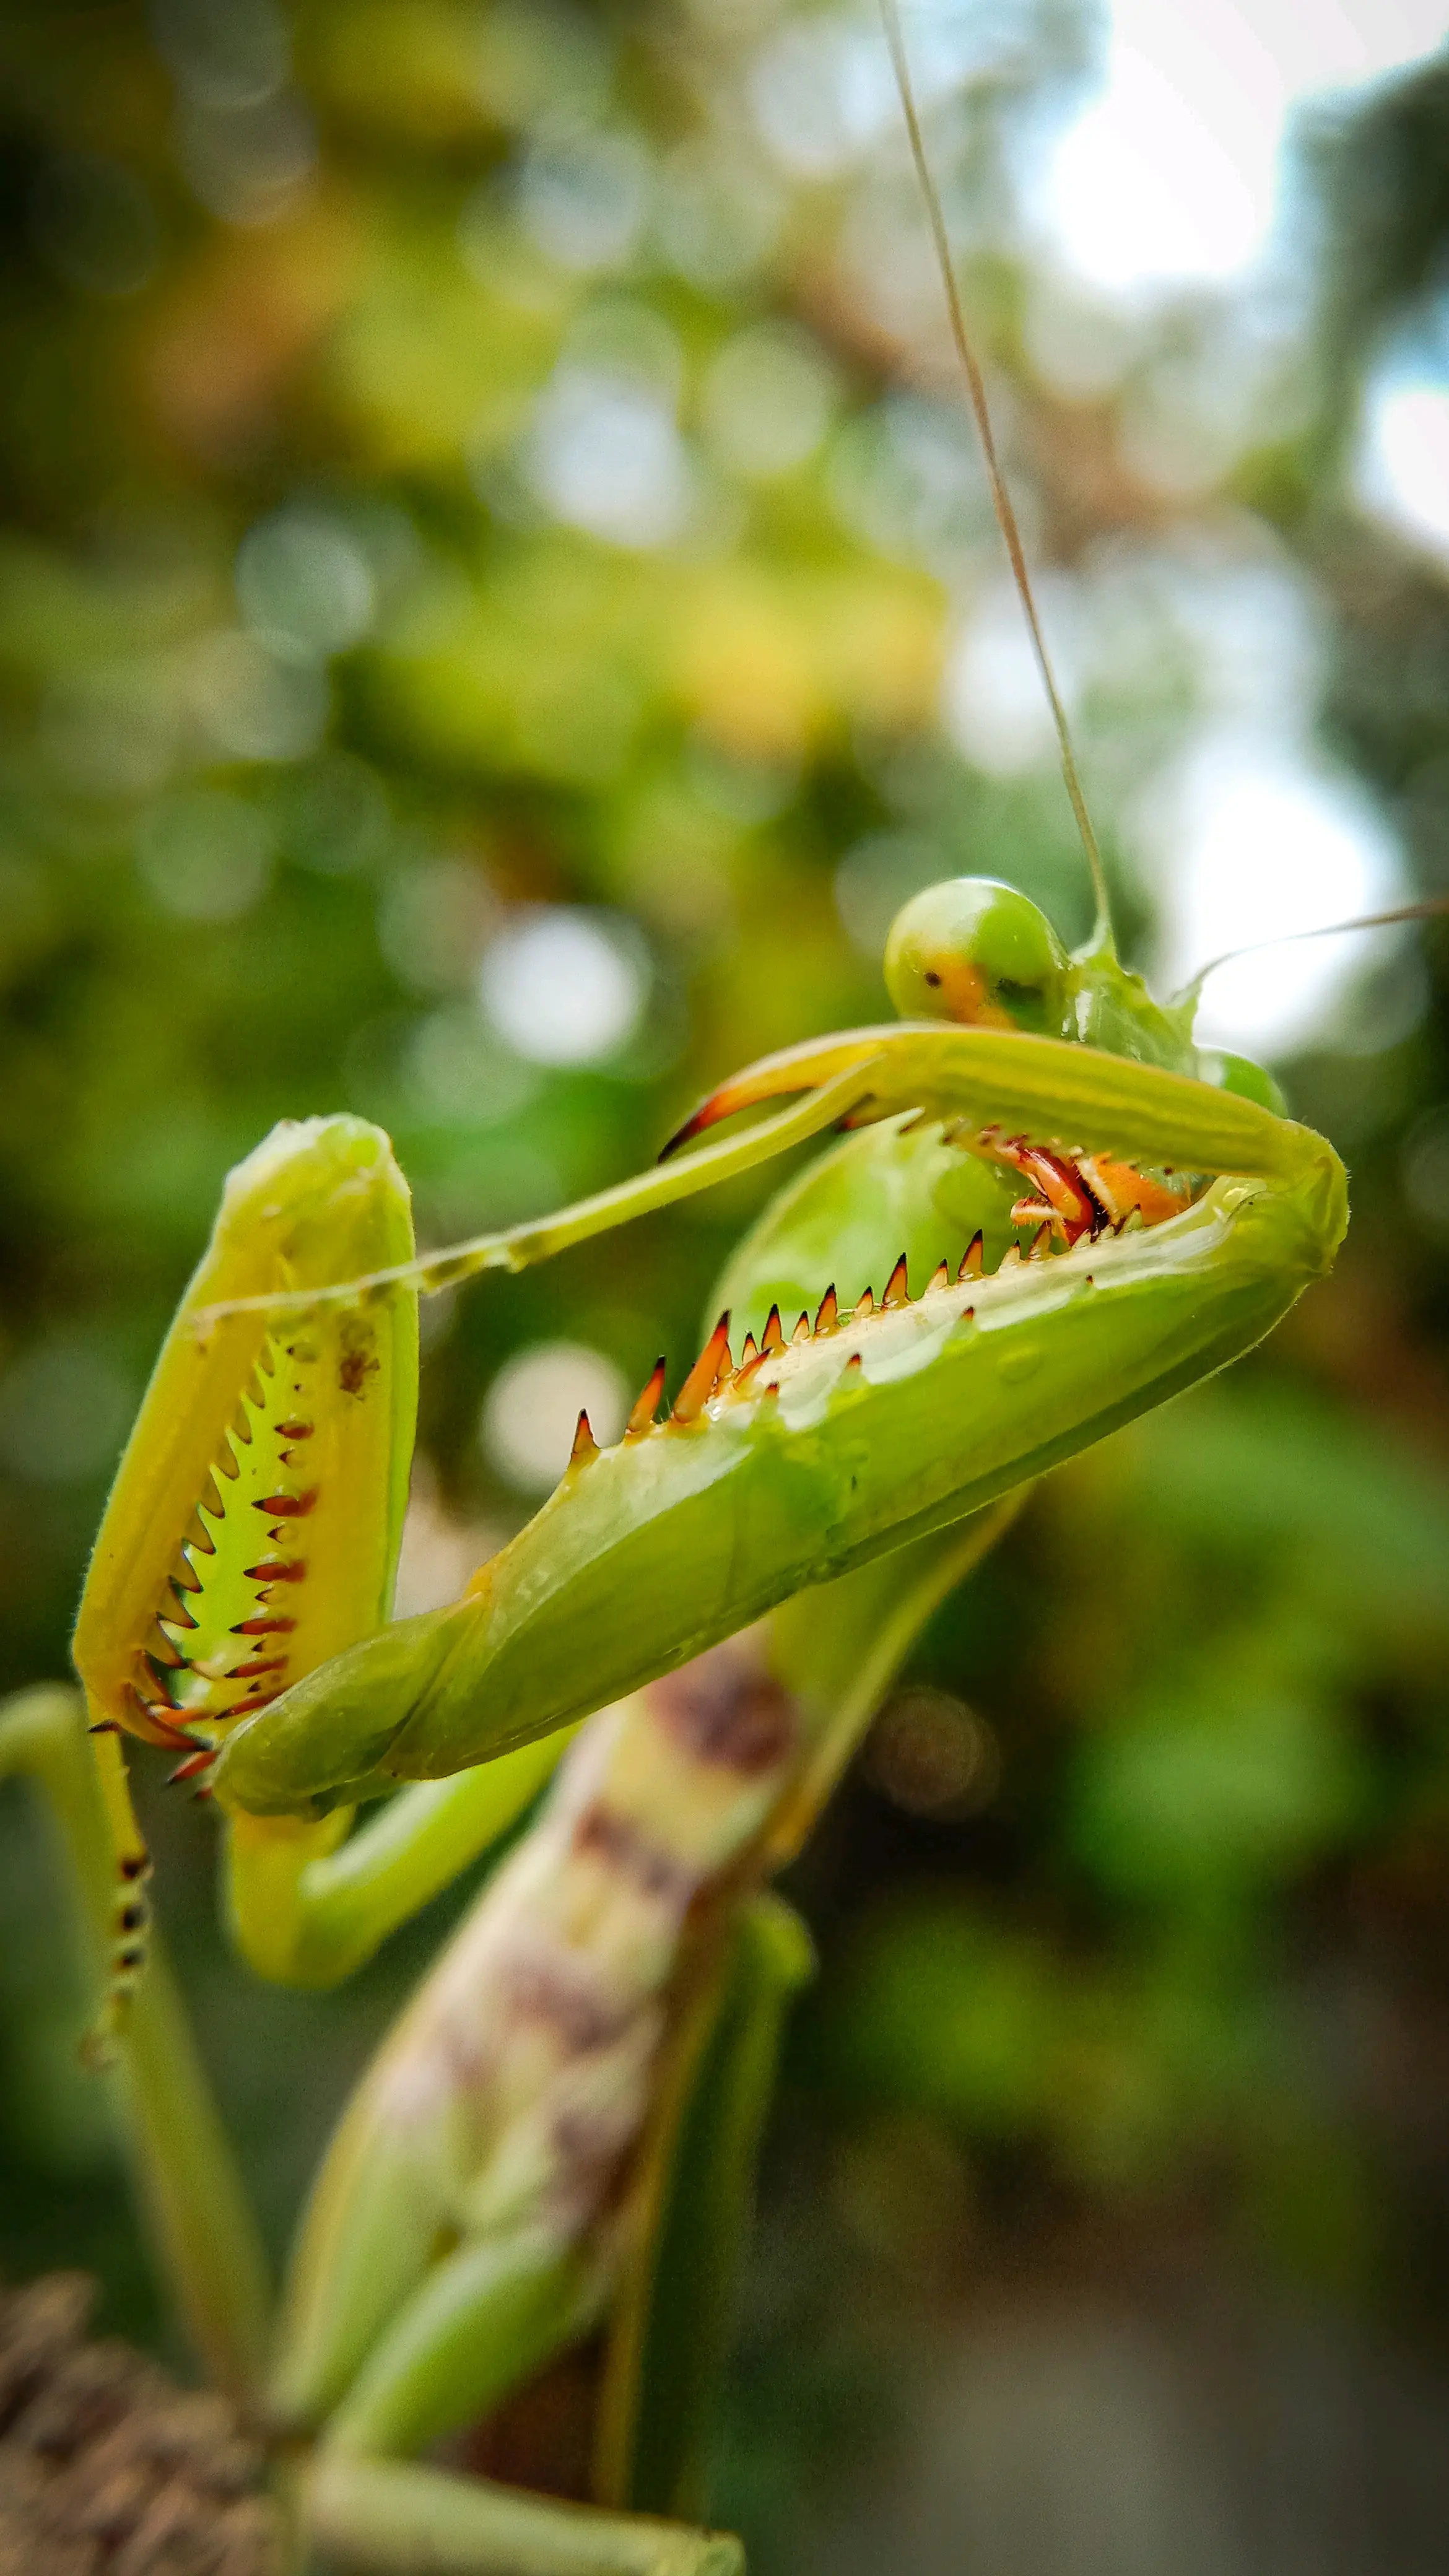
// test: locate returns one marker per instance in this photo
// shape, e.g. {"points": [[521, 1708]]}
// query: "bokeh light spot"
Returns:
{"points": [[206, 855], [1402, 472], [1259, 844], [564, 985], [541, 60], [94, 222], [532, 1410], [1169, 177], [932, 1755], [876, 877], [768, 398], [247, 164], [336, 815], [605, 455], [1145, 193], [254, 704], [113, 728], [302, 584], [225, 53], [583, 197], [457, 1072], [1425, 1169], [718, 215], [819, 88], [994, 704], [433, 918], [439, 1551]]}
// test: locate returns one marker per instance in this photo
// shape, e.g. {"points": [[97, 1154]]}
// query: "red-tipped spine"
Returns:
{"points": [[712, 1364], [646, 1403], [193, 1763], [897, 1288], [585, 1445]]}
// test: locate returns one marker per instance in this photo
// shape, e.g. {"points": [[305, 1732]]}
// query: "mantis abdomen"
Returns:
{"points": [[507, 2102]]}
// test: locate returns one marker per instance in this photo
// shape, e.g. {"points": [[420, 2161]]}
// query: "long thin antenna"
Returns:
{"points": [[1432, 908], [1000, 497]]}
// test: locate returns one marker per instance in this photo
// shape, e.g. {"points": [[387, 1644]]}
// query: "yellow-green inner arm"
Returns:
{"points": [[305, 1915]]}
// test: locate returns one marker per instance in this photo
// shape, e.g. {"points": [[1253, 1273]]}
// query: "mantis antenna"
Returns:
{"points": [[1432, 908], [1000, 496]]}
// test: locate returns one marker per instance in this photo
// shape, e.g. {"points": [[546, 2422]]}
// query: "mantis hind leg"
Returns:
{"points": [[492, 2314], [175, 2143], [488, 2317], [670, 2325]]}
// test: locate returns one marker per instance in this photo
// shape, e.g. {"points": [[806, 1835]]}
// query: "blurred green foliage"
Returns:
{"points": [[462, 475]]}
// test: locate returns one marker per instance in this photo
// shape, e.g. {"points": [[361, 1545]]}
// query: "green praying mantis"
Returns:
{"points": [[565, 2115], [1050, 1212]]}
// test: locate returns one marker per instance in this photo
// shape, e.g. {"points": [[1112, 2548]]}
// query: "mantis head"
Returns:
{"points": [[981, 954]]}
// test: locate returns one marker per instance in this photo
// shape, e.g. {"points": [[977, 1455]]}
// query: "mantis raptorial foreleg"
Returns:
{"points": [[791, 1464], [254, 1525]]}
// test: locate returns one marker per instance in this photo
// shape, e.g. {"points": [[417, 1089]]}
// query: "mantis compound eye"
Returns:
{"points": [[979, 953]]}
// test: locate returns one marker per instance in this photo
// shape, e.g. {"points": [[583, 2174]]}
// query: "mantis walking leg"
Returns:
{"points": [[177, 2147], [492, 2312], [482, 2322], [664, 2344], [371, 2517], [670, 2323]]}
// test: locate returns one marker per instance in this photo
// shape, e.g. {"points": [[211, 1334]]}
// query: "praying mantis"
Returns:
{"points": [[1052, 1211], [578, 2083]]}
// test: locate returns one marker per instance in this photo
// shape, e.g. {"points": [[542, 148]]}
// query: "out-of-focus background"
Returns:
{"points": [[498, 604]]}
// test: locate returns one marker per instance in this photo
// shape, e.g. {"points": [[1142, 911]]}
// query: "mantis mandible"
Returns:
{"points": [[1056, 1212]]}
